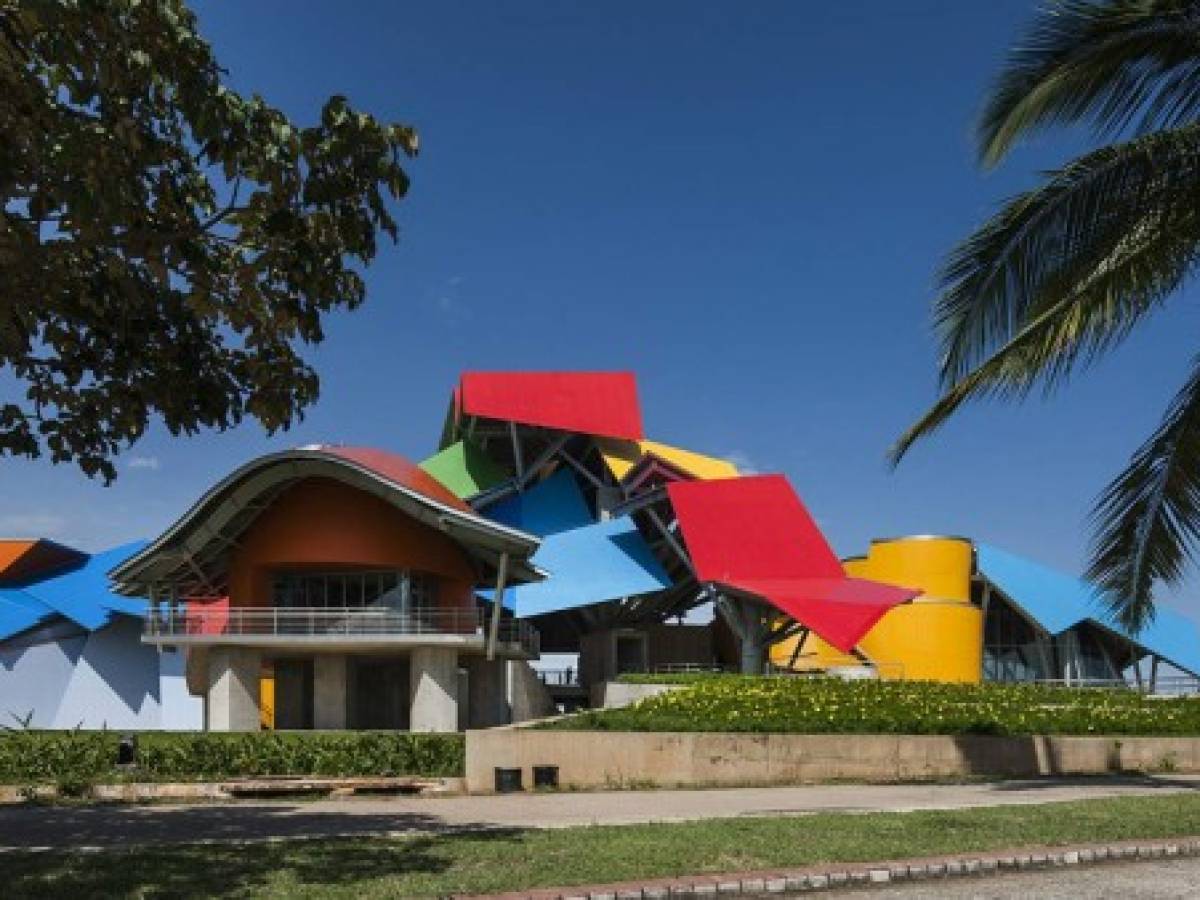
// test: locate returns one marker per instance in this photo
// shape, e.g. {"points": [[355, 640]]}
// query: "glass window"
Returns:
{"points": [[336, 590]]}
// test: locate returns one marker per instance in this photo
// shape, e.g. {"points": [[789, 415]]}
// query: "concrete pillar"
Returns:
{"points": [[434, 689], [330, 697], [753, 657], [487, 692], [233, 674]]}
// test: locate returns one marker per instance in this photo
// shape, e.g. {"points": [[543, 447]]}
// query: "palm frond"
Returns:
{"points": [[1043, 244], [1148, 520], [1062, 274], [1107, 62]]}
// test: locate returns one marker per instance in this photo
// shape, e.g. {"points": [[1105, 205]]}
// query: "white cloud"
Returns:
{"points": [[31, 525], [144, 462], [745, 465]]}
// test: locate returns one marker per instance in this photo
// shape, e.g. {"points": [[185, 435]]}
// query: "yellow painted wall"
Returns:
{"points": [[939, 636], [266, 698]]}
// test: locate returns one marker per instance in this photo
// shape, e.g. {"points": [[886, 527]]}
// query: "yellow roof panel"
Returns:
{"points": [[622, 456]]}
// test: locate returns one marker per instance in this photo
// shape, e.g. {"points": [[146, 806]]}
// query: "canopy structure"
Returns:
{"points": [[1058, 602], [604, 404], [753, 535], [588, 565], [80, 593]]}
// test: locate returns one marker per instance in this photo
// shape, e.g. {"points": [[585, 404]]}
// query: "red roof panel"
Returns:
{"points": [[599, 403], [401, 471], [754, 534]]}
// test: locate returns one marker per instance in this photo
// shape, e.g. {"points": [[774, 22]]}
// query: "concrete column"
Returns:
{"points": [[487, 692], [233, 674], [329, 691], [434, 689]]}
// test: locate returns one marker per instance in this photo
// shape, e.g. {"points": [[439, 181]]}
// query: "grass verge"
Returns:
{"points": [[437, 865]]}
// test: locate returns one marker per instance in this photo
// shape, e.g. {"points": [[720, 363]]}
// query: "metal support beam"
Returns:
{"points": [[518, 462], [497, 603], [670, 539]]}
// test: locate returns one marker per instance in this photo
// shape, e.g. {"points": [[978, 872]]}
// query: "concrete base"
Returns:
{"points": [[233, 675], [434, 689], [589, 759], [330, 693], [487, 688]]}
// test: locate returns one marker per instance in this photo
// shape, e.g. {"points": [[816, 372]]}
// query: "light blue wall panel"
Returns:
{"points": [[115, 682]]}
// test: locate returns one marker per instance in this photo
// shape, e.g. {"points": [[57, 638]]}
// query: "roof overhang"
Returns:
{"points": [[192, 554]]}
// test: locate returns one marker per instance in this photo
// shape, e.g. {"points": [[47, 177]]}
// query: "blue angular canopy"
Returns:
{"points": [[598, 562], [551, 507], [20, 611], [82, 594], [1058, 601]]}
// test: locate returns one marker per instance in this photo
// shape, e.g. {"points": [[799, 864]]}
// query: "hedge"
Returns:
{"points": [[829, 705], [71, 758]]}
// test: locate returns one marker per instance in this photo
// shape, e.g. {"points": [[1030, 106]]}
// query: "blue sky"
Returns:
{"points": [[745, 203]]}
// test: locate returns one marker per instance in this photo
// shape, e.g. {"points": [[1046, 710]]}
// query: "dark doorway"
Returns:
{"points": [[293, 694], [381, 694]]}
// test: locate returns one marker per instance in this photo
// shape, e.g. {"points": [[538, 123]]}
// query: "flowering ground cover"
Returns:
{"points": [[827, 705]]}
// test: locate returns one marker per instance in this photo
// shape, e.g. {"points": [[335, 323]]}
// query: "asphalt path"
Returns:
{"points": [[119, 825]]}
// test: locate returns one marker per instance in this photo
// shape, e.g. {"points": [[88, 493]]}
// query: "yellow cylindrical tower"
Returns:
{"points": [[939, 636]]}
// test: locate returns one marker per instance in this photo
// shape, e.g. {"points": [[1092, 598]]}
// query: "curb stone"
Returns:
{"points": [[856, 876]]}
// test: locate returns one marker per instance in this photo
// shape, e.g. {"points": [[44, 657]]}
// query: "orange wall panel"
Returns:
{"points": [[323, 524]]}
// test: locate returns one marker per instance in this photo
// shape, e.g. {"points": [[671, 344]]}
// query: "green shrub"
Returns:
{"points": [[829, 705], [78, 758]]}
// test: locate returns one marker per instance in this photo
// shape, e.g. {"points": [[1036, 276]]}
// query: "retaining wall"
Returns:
{"points": [[596, 759]]}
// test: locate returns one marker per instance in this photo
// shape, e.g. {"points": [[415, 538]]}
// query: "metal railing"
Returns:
{"points": [[299, 621], [559, 677]]}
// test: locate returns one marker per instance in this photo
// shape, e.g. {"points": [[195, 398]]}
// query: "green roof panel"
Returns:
{"points": [[464, 469]]}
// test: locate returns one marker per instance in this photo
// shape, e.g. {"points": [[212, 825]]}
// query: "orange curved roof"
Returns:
{"points": [[399, 469]]}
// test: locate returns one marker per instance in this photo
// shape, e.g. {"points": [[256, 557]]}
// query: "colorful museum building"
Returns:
{"points": [[337, 587]]}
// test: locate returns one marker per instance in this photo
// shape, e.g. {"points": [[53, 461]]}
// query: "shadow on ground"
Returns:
{"points": [[1132, 779], [225, 869], [72, 827]]}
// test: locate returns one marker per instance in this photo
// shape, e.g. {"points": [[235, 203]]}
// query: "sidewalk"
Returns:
{"points": [[100, 826]]}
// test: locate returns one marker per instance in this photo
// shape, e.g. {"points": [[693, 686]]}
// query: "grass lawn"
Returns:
{"points": [[433, 865]]}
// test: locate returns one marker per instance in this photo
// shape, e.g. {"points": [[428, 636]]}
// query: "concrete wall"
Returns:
{"points": [[528, 697], [625, 759], [615, 694]]}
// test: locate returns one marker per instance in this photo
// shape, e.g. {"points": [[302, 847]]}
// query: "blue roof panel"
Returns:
{"points": [[1058, 601], [19, 611], [84, 594], [602, 561], [553, 506]]}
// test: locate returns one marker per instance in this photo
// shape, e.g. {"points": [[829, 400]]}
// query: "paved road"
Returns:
{"points": [[99, 826], [1159, 879]]}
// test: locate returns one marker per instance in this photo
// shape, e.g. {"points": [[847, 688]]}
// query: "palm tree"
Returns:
{"points": [[1063, 273]]}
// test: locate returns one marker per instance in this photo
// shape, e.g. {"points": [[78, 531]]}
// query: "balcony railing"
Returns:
{"points": [[358, 622]]}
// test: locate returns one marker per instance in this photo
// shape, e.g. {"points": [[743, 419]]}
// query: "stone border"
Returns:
{"points": [[187, 792], [832, 876]]}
